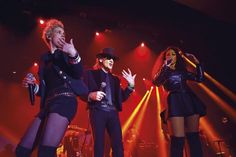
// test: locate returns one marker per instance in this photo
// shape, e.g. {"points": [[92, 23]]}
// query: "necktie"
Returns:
{"points": [[108, 90]]}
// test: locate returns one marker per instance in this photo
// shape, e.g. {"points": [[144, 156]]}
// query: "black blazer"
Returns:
{"points": [[93, 80], [72, 75]]}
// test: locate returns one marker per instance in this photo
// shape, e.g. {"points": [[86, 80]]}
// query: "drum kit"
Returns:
{"points": [[77, 142]]}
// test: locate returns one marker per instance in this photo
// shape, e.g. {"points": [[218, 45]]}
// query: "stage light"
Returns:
{"points": [[142, 44], [41, 21], [35, 64], [97, 33], [220, 102], [224, 120], [133, 115], [142, 111], [140, 118], [144, 79], [14, 72], [162, 134], [228, 92]]}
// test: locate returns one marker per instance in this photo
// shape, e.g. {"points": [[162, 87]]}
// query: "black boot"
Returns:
{"points": [[176, 146], [22, 151], [47, 151], [194, 144]]}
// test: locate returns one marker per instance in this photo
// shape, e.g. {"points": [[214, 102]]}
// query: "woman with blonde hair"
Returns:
{"points": [[59, 68]]}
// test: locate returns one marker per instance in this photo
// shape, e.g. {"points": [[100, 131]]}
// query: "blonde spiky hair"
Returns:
{"points": [[50, 26]]}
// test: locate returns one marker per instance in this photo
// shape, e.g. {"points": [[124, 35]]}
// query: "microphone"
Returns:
{"points": [[168, 61], [31, 89], [102, 87]]}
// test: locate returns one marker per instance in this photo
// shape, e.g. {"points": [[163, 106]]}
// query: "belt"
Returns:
{"points": [[67, 94], [105, 105], [108, 106]]}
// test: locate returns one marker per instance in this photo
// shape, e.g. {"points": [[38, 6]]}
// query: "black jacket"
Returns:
{"points": [[174, 80], [93, 80], [70, 73]]}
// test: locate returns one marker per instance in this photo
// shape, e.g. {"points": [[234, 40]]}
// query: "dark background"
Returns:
{"points": [[204, 28], [207, 31]]}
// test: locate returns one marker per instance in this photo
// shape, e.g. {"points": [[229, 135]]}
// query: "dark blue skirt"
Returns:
{"points": [[184, 104]]}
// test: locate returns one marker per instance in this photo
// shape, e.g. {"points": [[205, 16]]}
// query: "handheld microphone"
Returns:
{"points": [[31, 89], [102, 87], [168, 61]]}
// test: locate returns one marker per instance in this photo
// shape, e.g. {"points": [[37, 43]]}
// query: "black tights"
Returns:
{"points": [[51, 135]]}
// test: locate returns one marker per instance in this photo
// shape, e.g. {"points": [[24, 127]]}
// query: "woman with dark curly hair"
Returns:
{"points": [[184, 108]]}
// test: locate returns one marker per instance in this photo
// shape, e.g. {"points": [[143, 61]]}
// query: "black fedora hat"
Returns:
{"points": [[107, 53]]}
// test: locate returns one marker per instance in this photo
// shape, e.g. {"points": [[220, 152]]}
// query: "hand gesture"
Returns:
{"points": [[29, 79], [129, 77], [68, 48], [194, 58]]}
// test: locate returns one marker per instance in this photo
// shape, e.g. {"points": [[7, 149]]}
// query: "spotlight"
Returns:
{"points": [[41, 21], [35, 64], [142, 44], [14, 72], [144, 79], [224, 120], [97, 33]]}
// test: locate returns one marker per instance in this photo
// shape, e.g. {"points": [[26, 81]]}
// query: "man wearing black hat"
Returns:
{"points": [[105, 99]]}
